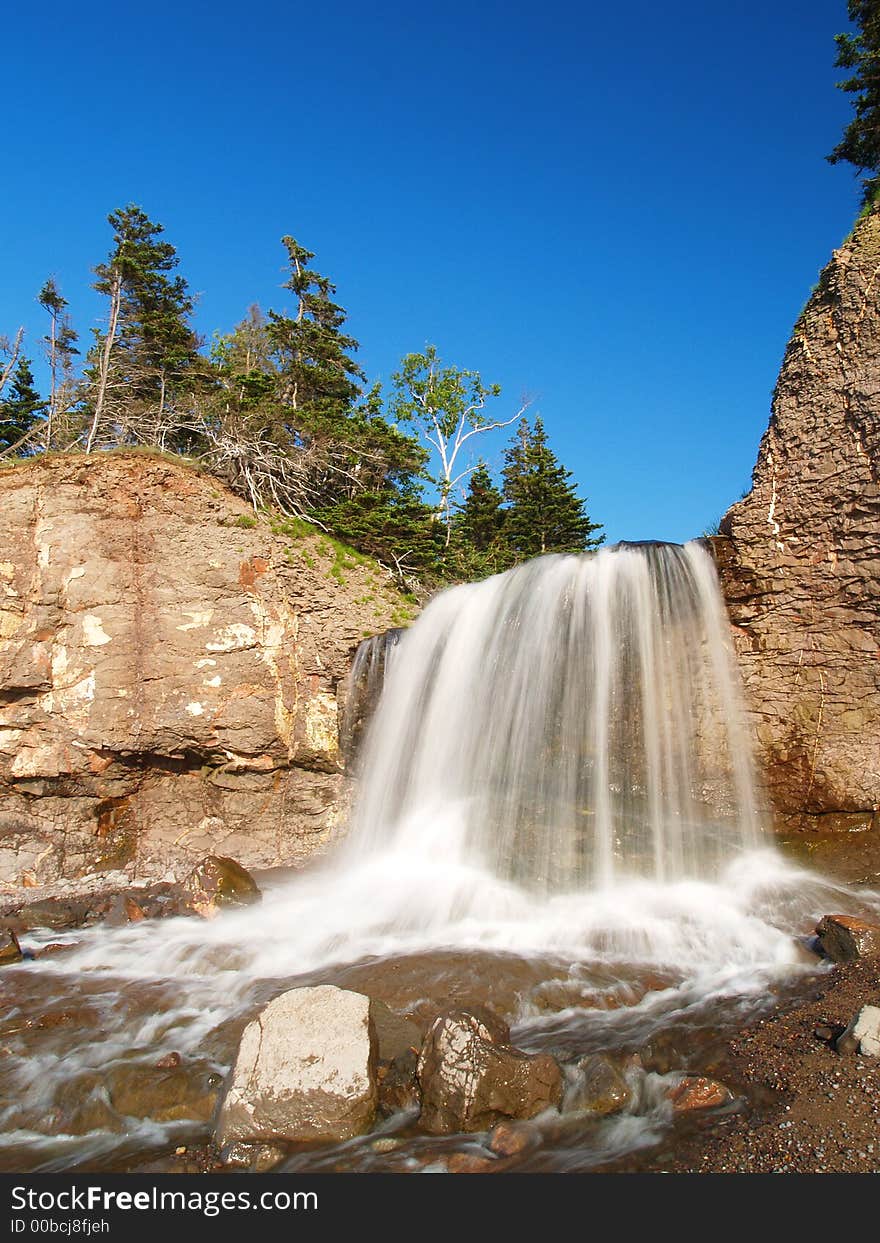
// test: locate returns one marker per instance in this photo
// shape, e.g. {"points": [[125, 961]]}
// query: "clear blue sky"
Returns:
{"points": [[618, 210]]}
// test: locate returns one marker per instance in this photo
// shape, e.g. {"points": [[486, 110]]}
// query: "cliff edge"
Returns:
{"points": [[170, 671], [799, 557]]}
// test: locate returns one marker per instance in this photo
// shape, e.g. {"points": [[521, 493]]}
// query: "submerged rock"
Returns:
{"points": [[217, 882], [305, 1070], [599, 1088], [863, 1034], [10, 950], [255, 1158], [844, 938], [471, 1078], [177, 1093], [695, 1092]]}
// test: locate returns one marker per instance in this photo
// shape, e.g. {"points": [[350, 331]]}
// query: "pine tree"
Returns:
{"points": [[860, 52], [61, 347], [21, 406], [318, 377], [545, 513], [480, 519], [148, 346]]}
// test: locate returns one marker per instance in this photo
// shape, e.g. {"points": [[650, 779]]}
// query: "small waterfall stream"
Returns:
{"points": [[556, 816]]}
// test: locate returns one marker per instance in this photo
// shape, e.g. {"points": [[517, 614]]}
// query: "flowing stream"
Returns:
{"points": [[557, 817]]}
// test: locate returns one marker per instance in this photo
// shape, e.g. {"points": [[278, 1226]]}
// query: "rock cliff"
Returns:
{"points": [[169, 672], [799, 557]]}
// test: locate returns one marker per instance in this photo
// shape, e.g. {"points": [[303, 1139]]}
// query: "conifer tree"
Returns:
{"points": [[61, 347], [21, 405], [860, 52], [545, 513], [148, 345], [480, 519]]}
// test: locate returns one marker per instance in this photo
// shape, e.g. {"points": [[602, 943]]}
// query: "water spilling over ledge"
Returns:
{"points": [[570, 722]]}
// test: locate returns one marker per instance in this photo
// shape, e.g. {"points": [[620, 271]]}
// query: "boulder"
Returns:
{"points": [[10, 950], [863, 1033], [844, 938], [218, 882], [599, 1088], [471, 1078], [305, 1070]]}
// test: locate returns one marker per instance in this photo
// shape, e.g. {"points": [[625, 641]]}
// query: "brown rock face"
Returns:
{"points": [[799, 557], [169, 672]]}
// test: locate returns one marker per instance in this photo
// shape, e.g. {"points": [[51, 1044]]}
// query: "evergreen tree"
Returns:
{"points": [[545, 513], [860, 52], [21, 406], [480, 519], [61, 348], [318, 377], [148, 346]]}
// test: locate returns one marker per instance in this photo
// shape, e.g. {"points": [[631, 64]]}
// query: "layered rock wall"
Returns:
{"points": [[799, 557], [169, 671]]}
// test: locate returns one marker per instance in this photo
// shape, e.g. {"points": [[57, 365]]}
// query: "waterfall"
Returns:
{"points": [[572, 722]]}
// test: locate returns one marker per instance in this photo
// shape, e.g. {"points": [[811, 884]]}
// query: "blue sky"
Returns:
{"points": [[618, 211]]}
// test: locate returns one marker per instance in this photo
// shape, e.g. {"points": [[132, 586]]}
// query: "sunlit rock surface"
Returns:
{"points": [[800, 557], [169, 672]]}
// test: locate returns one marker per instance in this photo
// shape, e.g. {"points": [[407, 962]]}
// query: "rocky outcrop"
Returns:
{"points": [[170, 670], [799, 557], [305, 1070]]}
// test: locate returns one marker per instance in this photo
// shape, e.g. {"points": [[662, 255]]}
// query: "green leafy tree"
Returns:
{"points": [[544, 512], [21, 406], [860, 52], [448, 406]]}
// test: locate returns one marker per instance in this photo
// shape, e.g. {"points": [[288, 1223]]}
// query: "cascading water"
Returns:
{"points": [[556, 817], [577, 716]]}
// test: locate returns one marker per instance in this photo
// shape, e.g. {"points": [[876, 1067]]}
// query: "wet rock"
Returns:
{"points": [[10, 950], [255, 1158], [175, 1094], [599, 1088], [395, 1035], [471, 1078], [305, 1070], [844, 938], [169, 1061], [470, 1163], [509, 1140], [218, 882], [695, 1092], [863, 1033], [398, 1084]]}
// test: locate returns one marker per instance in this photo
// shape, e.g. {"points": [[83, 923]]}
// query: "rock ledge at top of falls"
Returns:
{"points": [[169, 673], [799, 557]]}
